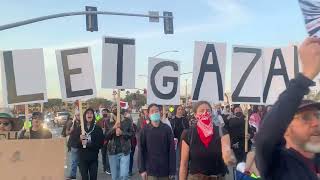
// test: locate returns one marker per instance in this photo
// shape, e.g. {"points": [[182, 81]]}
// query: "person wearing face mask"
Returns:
{"points": [[289, 137], [156, 156], [118, 135], [236, 129], [204, 153]]}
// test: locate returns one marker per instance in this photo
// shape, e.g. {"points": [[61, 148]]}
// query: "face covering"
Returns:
{"points": [[205, 128], [155, 117], [239, 114]]}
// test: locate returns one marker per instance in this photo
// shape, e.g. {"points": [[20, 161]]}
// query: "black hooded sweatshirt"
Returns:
{"points": [[95, 133]]}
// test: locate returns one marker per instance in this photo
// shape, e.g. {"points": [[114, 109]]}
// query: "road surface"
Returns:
{"points": [[56, 132]]}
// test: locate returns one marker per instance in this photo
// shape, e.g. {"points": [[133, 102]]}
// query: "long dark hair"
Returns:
{"points": [[85, 118], [196, 106]]}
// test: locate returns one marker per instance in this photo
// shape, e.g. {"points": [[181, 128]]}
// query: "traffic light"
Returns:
{"points": [[91, 19], [168, 22]]}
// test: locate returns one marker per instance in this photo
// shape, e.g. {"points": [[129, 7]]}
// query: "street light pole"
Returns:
{"points": [[164, 53], [186, 92]]}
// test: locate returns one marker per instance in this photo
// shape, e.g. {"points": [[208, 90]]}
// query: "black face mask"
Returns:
{"points": [[239, 114]]}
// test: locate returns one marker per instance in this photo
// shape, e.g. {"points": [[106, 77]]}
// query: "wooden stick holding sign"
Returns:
{"points": [[246, 133], [41, 107], [163, 112], [26, 124], [118, 107], [83, 132]]}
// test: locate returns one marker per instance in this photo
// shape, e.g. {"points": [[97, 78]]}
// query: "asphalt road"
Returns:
{"points": [[101, 175]]}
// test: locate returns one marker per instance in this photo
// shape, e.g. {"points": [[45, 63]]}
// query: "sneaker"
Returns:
{"points": [[108, 172], [70, 178], [130, 174]]}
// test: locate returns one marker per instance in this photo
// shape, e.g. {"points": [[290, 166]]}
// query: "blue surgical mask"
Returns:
{"points": [[155, 117]]}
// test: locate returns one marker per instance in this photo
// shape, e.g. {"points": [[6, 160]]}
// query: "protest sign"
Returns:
{"points": [[32, 159], [23, 76], [8, 135], [278, 70], [246, 74], [118, 63], [209, 71], [76, 73], [163, 82]]}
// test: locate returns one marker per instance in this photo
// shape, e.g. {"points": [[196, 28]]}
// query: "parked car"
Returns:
{"points": [[61, 118]]}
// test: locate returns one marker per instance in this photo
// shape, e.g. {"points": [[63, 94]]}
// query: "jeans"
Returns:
{"points": [[131, 159], [74, 161], [105, 159], [119, 165], [88, 168]]}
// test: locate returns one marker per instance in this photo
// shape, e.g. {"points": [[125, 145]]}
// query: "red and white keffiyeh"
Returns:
{"points": [[205, 127]]}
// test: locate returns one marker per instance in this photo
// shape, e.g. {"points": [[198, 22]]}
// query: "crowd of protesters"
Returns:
{"points": [[200, 142]]}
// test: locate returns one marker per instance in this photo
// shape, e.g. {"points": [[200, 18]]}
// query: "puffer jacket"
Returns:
{"points": [[125, 138]]}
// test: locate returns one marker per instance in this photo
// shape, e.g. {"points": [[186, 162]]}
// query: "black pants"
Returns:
{"points": [[131, 159], [105, 159], [88, 168]]}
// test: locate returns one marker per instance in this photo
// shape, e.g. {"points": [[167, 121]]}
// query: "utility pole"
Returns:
{"points": [[186, 92]]}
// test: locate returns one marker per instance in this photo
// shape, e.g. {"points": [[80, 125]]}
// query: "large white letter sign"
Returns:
{"points": [[163, 83], [23, 76], [209, 71], [246, 74], [278, 70], [118, 63], [76, 73]]}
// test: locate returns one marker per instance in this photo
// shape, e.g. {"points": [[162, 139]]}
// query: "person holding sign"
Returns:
{"points": [[118, 135], [157, 157], [89, 146], [289, 136], [37, 131], [203, 152], [236, 129], [178, 123], [73, 143]]}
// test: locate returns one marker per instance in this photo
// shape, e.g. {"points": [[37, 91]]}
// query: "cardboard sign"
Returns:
{"points": [[32, 159], [76, 73], [163, 82], [246, 75], [118, 63], [23, 76], [209, 71], [8, 135]]}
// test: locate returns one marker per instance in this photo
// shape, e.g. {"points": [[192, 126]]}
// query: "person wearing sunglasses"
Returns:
{"points": [[36, 131], [288, 140], [7, 121]]}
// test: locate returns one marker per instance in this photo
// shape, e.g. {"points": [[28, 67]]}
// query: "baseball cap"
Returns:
{"points": [[306, 104]]}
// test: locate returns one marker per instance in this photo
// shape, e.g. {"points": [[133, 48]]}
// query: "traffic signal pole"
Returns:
{"points": [[43, 18]]}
